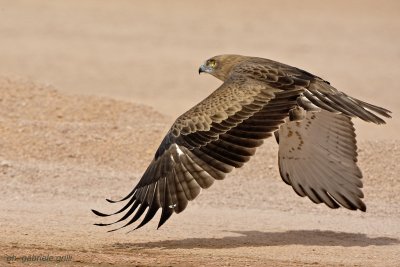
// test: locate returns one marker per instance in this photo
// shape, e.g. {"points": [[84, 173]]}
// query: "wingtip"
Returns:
{"points": [[139, 226], [112, 201], [101, 224], [363, 208], [130, 231], [122, 199], [98, 213], [113, 230], [160, 223], [165, 215], [143, 223]]}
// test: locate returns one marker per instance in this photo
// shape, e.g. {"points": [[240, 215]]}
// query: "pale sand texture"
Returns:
{"points": [[62, 152]]}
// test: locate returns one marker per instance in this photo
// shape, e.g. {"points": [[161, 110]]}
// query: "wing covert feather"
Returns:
{"points": [[317, 90], [196, 157]]}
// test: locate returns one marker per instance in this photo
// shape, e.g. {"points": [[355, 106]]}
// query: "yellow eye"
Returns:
{"points": [[211, 63]]}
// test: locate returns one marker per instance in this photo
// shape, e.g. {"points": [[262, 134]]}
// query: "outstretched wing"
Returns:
{"points": [[318, 158], [204, 144]]}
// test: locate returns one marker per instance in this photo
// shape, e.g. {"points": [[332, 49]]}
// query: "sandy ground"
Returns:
{"points": [[119, 68]]}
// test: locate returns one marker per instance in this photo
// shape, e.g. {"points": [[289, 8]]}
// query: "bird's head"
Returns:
{"points": [[221, 66]]}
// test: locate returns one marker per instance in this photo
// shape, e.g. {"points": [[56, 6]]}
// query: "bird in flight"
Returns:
{"points": [[311, 121]]}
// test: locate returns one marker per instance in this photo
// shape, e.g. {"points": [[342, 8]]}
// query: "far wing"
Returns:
{"points": [[318, 91], [318, 158]]}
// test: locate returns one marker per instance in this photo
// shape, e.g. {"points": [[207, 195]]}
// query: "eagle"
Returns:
{"points": [[310, 119]]}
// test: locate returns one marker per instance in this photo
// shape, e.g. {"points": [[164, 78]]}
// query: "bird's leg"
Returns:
{"points": [[297, 114]]}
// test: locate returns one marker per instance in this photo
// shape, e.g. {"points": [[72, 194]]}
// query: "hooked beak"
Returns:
{"points": [[202, 69]]}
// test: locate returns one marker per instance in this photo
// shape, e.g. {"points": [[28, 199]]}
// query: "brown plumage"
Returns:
{"points": [[311, 121]]}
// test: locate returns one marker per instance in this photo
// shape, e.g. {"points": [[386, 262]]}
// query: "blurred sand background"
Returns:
{"points": [[88, 89]]}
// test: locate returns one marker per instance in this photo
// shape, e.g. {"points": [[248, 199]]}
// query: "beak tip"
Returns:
{"points": [[202, 69]]}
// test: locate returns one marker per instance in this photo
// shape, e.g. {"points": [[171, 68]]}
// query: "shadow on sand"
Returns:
{"points": [[260, 239]]}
